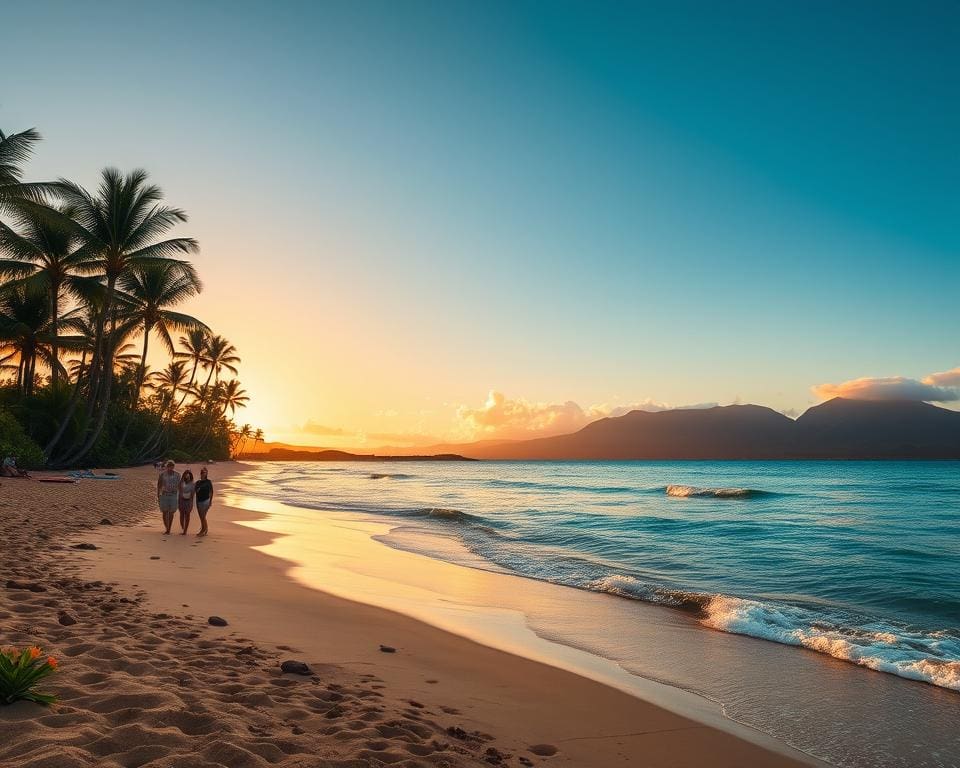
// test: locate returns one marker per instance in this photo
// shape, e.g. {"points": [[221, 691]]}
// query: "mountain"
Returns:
{"points": [[730, 432], [837, 429], [877, 429]]}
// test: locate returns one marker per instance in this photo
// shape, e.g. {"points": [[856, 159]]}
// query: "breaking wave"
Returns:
{"points": [[930, 657], [691, 491]]}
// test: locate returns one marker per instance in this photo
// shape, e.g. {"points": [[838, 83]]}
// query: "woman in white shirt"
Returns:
{"points": [[186, 500]]}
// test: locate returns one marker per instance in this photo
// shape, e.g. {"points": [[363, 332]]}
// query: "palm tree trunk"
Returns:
{"points": [[55, 341], [106, 364], [193, 375], [74, 400], [206, 385], [142, 370]]}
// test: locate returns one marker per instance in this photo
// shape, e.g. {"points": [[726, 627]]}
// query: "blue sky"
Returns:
{"points": [[405, 205]]}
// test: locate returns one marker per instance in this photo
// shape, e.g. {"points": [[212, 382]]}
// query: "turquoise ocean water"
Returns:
{"points": [[856, 561]]}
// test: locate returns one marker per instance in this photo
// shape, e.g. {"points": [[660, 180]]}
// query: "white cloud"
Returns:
{"points": [[938, 387], [517, 418], [949, 378]]}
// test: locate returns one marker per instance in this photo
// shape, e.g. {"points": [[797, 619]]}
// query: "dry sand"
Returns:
{"points": [[146, 681]]}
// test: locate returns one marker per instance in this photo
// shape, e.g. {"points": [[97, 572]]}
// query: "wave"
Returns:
{"points": [[622, 585], [443, 514], [691, 491], [394, 476], [929, 657]]}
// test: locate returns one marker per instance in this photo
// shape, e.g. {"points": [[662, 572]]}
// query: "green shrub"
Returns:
{"points": [[14, 441]]}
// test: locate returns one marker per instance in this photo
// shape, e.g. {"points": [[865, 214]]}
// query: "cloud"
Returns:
{"points": [[509, 418], [312, 428], [501, 416], [949, 378], [938, 387]]}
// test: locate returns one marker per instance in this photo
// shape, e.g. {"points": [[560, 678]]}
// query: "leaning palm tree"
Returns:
{"points": [[170, 381], [121, 225], [194, 345], [166, 384], [240, 438], [148, 291], [43, 252], [230, 397], [213, 402], [220, 355]]}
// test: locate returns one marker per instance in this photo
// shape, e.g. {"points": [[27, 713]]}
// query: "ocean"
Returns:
{"points": [[855, 563]]}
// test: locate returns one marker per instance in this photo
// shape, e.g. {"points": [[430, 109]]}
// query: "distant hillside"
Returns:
{"points": [[837, 429], [873, 429], [733, 431], [285, 454]]}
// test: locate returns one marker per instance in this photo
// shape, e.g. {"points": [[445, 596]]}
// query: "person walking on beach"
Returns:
{"points": [[187, 488], [168, 490], [204, 494]]}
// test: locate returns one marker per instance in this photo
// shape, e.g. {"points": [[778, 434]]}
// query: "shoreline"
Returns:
{"points": [[427, 652]]}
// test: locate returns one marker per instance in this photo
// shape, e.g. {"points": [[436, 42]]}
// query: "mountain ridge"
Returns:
{"points": [[840, 428]]}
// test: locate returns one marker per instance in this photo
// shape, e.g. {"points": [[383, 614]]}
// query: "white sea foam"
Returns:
{"points": [[929, 657]]}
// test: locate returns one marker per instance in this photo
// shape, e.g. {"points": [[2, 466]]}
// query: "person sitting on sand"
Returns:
{"points": [[187, 488], [168, 491], [204, 494], [10, 468]]}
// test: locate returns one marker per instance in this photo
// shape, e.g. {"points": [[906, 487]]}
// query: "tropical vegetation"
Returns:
{"points": [[88, 278], [21, 671]]}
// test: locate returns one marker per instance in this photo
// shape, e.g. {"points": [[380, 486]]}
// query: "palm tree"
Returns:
{"points": [[43, 253], [220, 355], [15, 149], [120, 225], [230, 397], [257, 437], [147, 292], [170, 380], [25, 332], [194, 349], [240, 438]]}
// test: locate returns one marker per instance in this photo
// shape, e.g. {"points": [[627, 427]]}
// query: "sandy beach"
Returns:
{"points": [[145, 680]]}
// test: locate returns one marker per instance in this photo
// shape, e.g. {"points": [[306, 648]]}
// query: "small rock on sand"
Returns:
{"points": [[216, 621], [154, 557], [295, 667], [85, 545], [106, 521], [28, 585], [66, 619], [544, 750], [387, 649]]}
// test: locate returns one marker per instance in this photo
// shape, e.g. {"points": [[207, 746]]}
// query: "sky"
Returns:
{"points": [[444, 221]]}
